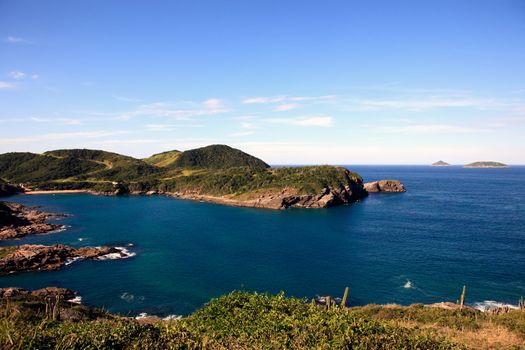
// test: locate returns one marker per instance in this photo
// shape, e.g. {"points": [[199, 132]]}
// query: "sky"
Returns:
{"points": [[291, 82]]}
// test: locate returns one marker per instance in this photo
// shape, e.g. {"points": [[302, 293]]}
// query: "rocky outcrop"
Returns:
{"points": [[385, 186], [62, 293], [40, 257], [17, 220]]}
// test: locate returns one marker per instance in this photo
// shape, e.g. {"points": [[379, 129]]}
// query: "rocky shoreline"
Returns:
{"points": [[32, 257], [18, 221]]}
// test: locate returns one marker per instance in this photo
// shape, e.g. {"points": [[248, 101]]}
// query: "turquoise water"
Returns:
{"points": [[454, 226]]}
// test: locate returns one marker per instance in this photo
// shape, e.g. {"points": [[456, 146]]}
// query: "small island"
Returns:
{"points": [[486, 165], [440, 163]]}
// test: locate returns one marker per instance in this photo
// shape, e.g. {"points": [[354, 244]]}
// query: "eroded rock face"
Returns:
{"points": [[31, 257], [20, 221], [385, 186]]}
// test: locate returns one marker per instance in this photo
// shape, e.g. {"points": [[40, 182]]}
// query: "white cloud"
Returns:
{"points": [[125, 99], [213, 103], [60, 136], [425, 103], [14, 40], [160, 109], [287, 107], [65, 121], [247, 125], [284, 99], [17, 75], [6, 85], [322, 121], [427, 128]]}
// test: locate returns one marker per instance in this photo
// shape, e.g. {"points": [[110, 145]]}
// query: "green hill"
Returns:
{"points": [[217, 157], [217, 171], [164, 159]]}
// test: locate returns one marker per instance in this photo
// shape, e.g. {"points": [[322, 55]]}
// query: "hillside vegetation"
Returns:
{"points": [[243, 320], [216, 170], [164, 159]]}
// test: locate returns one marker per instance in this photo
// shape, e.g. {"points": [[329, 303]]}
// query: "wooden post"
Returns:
{"points": [[463, 297], [328, 302], [345, 297]]}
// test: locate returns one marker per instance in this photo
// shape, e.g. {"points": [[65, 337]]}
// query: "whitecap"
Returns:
{"points": [[141, 316], [488, 305], [408, 285], [76, 300], [122, 253], [172, 317], [72, 260], [127, 297]]}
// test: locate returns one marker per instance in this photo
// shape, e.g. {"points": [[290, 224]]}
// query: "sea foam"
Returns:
{"points": [[488, 305]]}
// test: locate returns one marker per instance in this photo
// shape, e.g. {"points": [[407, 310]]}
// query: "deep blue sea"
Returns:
{"points": [[454, 226]]}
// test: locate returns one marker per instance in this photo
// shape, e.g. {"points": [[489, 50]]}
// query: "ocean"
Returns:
{"points": [[452, 227]]}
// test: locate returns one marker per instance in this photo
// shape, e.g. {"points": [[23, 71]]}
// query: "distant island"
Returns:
{"points": [[440, 163], [486, 165]]}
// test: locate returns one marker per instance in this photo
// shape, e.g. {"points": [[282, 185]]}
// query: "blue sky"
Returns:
{"points": [[293, 82]]}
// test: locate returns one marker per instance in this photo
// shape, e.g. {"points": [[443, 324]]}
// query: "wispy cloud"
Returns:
{"points": [[4, 85], [213, 103], [425, 103], [125, 98], [14, 40], [160, 109], [285, 99], [322, 121], [60, 136], [428, 128], [247, 125], [287, 107], [64, 121], [17, 75], [171, 127]]}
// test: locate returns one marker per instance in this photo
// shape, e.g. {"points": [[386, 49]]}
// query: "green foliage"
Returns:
{"points": [[214, 170], [27, 167], [238, 181], [236, 321], [217, 157], [164, 159]]}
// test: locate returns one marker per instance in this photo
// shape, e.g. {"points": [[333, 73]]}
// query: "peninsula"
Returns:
{"points": [[486, 165], [216, 173]]}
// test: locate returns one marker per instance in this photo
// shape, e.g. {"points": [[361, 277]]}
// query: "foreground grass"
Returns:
{"points": [[245, 321]]}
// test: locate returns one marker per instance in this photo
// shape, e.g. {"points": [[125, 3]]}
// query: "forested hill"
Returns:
{"points": [[215, 170]]}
